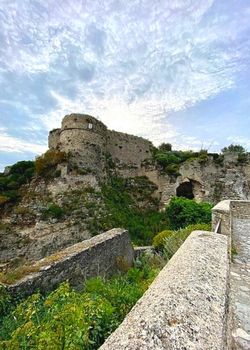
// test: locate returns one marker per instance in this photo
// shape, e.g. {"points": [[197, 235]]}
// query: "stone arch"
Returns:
{"points": [[190, 189], [185, 189]]}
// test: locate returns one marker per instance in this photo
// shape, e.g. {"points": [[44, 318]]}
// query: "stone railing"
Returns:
{"points": [[221, 214], [102, 255], [240, 209], [186, 305]]}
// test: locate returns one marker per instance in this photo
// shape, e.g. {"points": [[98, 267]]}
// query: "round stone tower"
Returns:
{"points": [[84, 138]]}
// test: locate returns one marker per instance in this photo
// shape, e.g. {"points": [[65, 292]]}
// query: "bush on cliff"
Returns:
{"points": [[46, 164], [234, 149], [19, 174], [182, 212], [170, 160], [53, 211]]}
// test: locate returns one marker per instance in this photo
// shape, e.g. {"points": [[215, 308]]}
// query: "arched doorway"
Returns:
{"points": [[185, 189]]}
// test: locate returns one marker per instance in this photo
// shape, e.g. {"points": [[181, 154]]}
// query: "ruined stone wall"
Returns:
{"points": [[186, 305], [128, 151], [91, 146], [102, 255], [54, 139], [84, 137], [87, 149]]}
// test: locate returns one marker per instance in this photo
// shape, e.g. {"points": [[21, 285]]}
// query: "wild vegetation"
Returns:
{"points": [[234, 149], [70, 319], [19, 174], [172, 239], [170, 160], [182, 212], [129, 204], [46, 164]]}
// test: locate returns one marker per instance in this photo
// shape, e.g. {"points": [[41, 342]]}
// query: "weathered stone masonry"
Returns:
{"points": [[102, 255], [90, 144]]}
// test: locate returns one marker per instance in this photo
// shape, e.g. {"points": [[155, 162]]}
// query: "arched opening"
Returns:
{"points": [[185, 189]]}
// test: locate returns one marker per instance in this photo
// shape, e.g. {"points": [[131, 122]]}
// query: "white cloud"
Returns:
{"points": [[12, 144], [130, 63]]}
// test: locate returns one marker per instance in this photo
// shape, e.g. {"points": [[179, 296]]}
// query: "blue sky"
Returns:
{"points": [[175, 70]]}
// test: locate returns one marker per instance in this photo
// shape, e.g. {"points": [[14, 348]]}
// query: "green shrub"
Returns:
{"points": [[5, 301], [158, 240], [242, 158], [46, 164], [53, 211], [172, 243], [69, 319], [3, 199], [170, 160], [19, 174], [234, 149], [165, 147], [167, 158], [173, 169], [182, 212]]}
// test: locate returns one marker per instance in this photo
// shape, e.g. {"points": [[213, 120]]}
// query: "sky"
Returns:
{"points": [[173, 71]]}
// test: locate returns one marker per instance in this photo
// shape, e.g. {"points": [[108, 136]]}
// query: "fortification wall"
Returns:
{"points": [[84, 137], [101, 255], [186, 305], [128, 150], [54, 139], [85, 122], [87, 148]]}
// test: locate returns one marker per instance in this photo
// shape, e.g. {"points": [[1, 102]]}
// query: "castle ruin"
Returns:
{"points": [[91, 145]]}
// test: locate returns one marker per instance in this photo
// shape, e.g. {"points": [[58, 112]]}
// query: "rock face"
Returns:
{"points": [[208, 181]]}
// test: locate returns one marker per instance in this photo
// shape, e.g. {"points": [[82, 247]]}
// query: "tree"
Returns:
{"points": [[234, 149], [165, 147]]}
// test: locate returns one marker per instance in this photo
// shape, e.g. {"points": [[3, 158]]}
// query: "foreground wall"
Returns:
{"points": [[186, 306], [101, 255]]}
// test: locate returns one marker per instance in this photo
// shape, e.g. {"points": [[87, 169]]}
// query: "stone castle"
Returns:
{"points": [[91, 145]]}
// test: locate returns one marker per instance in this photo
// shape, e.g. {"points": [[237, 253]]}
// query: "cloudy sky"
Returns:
{"points": [[169, 70]]}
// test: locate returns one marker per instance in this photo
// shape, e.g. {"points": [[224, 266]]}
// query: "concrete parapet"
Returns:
{"points": [[186, 305], [221, 211], [101, 255], [240, 209]]}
